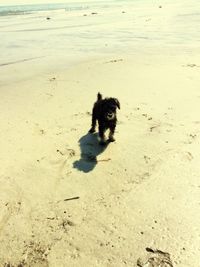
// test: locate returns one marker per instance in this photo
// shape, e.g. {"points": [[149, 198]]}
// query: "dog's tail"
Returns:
{"points": [[99, 97]]}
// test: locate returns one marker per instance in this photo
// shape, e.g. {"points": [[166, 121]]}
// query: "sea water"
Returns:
{"points": [[66, 31]]}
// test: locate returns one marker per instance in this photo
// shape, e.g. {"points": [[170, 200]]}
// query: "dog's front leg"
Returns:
{"points": [[102, 134], [111, 134]]}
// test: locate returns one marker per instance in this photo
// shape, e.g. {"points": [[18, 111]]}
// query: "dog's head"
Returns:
{"points": [[110, 106]]}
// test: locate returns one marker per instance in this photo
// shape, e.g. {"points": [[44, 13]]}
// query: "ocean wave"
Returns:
{"points": [[18, 61], [26, 9], [11, 13]]}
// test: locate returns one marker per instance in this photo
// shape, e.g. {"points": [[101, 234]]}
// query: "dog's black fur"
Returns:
{"points": [[104, 111]]}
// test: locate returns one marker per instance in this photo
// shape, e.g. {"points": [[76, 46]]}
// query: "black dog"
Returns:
{"points": [[104, 111]]}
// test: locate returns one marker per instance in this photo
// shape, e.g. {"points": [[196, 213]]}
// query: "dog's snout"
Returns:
{"points": [[110, 115]]}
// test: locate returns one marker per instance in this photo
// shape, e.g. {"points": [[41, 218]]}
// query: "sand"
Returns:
{"points": [[65, 200]]}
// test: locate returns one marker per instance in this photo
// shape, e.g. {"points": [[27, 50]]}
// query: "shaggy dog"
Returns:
{"points": [[104, 111]]}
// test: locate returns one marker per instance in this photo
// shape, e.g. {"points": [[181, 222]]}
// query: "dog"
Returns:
{"points": [[105, 112]]}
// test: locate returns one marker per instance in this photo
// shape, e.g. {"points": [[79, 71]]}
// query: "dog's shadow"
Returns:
{"points": [[90, 149]]}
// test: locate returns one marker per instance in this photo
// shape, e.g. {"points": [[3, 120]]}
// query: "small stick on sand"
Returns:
{"points": [[72, 198], [103, 160]]}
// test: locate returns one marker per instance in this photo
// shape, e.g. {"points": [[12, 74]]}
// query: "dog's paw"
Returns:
{"points": [[111, 139], [92, 130]]}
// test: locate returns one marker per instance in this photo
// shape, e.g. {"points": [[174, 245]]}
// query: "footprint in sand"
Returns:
{"points": [[38, 130], [191, 139], [146, 116], [11, 208], [82, 114], [41, 131], [196, 122], [73, 129], [65, 224], [146, 159], [139, 178], [49, 95], [158, 127], [65, 154], [10, 200]]}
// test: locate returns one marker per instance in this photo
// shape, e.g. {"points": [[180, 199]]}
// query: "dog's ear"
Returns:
{"points": [[99, 97], [117, 103]]}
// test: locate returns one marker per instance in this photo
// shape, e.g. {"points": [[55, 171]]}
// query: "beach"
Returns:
{"points": [[64, 199]]}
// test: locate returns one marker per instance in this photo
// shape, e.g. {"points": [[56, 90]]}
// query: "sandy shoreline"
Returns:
{"points": [[143, 192], [140, 199]]}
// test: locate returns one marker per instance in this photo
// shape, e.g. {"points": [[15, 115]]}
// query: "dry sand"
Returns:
{"points": [[143, 191], [66, 201]]}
